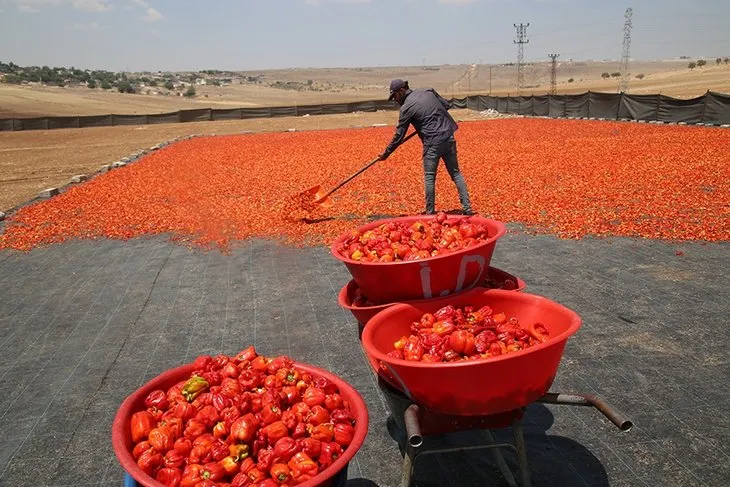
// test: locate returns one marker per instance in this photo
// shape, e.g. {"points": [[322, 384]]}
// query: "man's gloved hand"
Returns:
{"points": [[384, 156]]}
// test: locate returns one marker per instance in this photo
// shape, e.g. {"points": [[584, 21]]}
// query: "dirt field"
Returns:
{"points": [[35, 160], [671, 78]]}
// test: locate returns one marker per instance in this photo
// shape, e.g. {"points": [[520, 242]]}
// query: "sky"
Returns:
{"points": [[249, 35]]}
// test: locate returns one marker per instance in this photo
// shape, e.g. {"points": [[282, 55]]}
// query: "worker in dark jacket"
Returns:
{"points": [[427, 111]]}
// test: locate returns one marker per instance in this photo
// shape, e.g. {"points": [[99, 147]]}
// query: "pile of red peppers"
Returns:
{"points": [[452, 334], [246, 420]]}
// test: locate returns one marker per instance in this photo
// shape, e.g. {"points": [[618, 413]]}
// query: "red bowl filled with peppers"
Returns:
{"points": [[477, 353], [418, 257], [244, 420]]}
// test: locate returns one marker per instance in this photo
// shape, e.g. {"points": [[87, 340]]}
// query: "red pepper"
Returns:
{"points": [[185, 411], [344, 433], [300, 431], [333, 401], [140, 448], [276, 363], [142, 423], [445, 312], [292, 394], [218, 450], [342, 416], [194, 387], [285, 448], [265, 459], [325, 384], [313, 396], [330, 452], [260, 363], [220, 430], [280, 473], [323, 432], [174, 459], [275, 431], [311, 446], [413, 350], [270, 413], [267, 483], [183, 446], [246, 355], [195, 473], [169, 477], [272, 382], [194, 428], [288, 376], [229, 415], [212, 377], [202, 362], [255, 475], [230, 465], [208, 415], [289, 419], [462, 342], [444, 327], [318, 415], [301, 464], [150, 461], [539, 331], [173, 424], [244, 428], [157, 399]]}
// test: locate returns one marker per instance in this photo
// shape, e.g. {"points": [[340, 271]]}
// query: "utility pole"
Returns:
{"points": [[625, 54], [553, 73], [490, 80], [521, 41]]}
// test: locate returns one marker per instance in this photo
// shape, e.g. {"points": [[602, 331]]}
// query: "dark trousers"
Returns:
{"points": [[446, 150]]}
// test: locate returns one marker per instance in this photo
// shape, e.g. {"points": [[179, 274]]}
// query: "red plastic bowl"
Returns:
{"points": [[480, 387], [122, 439], [363, 313], [426, 278]]}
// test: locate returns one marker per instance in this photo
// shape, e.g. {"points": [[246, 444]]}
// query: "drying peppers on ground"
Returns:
{"points": [[570, 178], [452, 334], [240, 421], [398, 241]]}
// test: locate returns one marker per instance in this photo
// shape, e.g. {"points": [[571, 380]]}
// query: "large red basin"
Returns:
{"points": [[426, 278], [478, 387], [122, 440]]}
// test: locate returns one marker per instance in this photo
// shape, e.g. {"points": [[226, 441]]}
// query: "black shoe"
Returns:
{"points": [[469, 212], [429, 213]]}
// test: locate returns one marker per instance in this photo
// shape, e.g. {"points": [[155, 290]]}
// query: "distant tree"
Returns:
{"points": [[153, 82], [191, 92], [718, 61], [616, 75], [726, 60], [91, 84], [570, 80], [105, 85], [169, 85], [640, 76], [692, 65], [605, 75], [701, 62], [125, 87]]}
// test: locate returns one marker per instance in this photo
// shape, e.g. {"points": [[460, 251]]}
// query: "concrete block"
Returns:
{"points": [[380, 125], [79, 178], [291, 130], [121, 163], [105, 168], [2, 216], [126, 159], [47, 193]]}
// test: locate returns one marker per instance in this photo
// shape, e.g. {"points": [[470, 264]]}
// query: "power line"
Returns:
{"points": [[521, 41], [625, 54], [553, 73]]}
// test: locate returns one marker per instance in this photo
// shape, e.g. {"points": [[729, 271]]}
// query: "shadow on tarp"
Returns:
{"points": [[553, 460]]}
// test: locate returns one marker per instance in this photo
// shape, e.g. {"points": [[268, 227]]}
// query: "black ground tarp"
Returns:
{"points": [[711, 108]]}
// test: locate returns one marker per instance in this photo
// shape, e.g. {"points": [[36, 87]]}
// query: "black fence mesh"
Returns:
{"points": [[711, 108]]}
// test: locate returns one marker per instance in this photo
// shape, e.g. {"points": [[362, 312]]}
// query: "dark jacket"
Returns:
{"points": [[427, 111]]}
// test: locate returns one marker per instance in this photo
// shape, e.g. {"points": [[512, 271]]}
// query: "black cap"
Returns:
{"points": [[396, 85]]}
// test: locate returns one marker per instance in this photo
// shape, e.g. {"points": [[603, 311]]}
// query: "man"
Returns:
{"points": [[427, 111]]}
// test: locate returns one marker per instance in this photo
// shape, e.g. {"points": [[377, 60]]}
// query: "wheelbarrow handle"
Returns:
{"points": [[361, 170]]}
